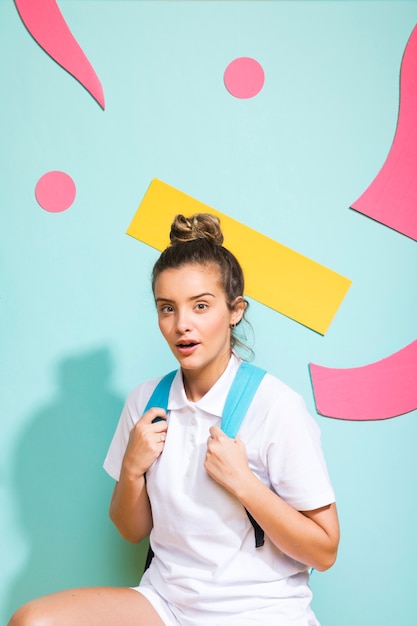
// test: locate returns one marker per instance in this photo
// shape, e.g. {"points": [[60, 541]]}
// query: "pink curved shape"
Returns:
{"points": [[46, 24], [376, 391], [392, 197]]}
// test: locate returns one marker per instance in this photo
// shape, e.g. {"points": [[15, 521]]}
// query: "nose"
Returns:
{"points": [[183, 323]]}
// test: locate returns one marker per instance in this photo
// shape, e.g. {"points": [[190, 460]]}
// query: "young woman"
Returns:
{"points": [[187, 484]]}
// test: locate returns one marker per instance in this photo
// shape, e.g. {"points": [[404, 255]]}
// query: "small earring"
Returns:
{"points": [[232, 326]]}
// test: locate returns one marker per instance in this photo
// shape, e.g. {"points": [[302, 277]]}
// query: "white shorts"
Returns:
{"points": [[160, 605], [167, 613]]}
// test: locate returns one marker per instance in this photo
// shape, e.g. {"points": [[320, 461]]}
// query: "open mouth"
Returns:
{"points": [[186, 347], [189, 344]]}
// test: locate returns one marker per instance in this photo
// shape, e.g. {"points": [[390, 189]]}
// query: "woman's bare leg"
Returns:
{"points": [[96, 606]]}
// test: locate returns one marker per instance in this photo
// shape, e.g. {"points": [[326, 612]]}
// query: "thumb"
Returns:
{"points": [[154, 415], [216, 432]]}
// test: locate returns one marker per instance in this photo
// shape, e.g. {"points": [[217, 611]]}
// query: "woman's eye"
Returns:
{"points": [[167, 308], [201, 306]]}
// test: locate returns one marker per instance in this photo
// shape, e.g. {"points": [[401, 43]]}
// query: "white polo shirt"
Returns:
{"points": [[206, 563]]}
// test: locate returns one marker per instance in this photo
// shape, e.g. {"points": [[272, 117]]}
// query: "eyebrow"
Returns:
{"points": [[200, 295]]}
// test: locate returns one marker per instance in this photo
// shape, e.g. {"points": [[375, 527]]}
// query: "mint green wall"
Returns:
{"points": [[78, 329]]}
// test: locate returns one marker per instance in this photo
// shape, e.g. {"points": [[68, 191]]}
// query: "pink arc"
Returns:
{"points": [[46, 24], [377, 391]]}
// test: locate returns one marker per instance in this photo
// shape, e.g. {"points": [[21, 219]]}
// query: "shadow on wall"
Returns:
{"points": [[63, 491]]}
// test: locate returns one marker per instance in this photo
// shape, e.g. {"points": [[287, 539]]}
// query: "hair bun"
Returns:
{"points": [[198, 226]]}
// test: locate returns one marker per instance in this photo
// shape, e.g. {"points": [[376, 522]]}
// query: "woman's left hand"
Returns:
{"points": [[226, 459], [311, 537]]}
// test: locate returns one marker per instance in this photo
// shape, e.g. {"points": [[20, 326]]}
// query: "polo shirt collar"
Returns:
{"points": [[213, 401]]}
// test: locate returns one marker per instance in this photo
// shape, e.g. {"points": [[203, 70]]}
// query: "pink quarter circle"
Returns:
{"points": [[244, 77], [55, 191]]}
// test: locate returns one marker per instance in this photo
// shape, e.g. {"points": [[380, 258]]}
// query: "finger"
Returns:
{"points": [[160, 427], [161, 437], [158, 418], [152, 414], [216, 432]]}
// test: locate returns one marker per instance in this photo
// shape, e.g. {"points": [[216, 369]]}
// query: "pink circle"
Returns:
{"points": [[55, 191], [244, 77]]}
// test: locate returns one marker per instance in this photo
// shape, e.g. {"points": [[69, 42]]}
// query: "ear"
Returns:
{"points": [[237, 310]]}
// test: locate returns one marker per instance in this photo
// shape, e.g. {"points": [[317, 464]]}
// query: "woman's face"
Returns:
{"points": [[195, 319]]}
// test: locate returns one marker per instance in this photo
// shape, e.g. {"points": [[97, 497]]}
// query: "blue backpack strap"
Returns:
{"points": [[160, 394], [159, 398], [244, 386], [246, 381]]}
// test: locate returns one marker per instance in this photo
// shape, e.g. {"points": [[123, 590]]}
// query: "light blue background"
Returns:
{"points": [[78, 327]]}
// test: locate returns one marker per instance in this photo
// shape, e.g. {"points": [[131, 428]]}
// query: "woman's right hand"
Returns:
{"points": [[130, 509], [146, 442]]}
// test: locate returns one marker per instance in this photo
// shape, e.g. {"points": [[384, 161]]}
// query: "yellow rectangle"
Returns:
{"points": [[275, 275]]}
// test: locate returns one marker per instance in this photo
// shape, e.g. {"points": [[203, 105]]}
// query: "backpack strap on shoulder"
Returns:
{"points": [[160, 394], [159, 398], [246, 381]]}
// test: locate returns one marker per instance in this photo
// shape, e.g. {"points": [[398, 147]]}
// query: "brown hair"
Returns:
{"points": [[197, 240]]}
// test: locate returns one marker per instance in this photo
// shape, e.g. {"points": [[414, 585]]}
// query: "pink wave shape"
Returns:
{"points": [[392, 197], [377, 391], [46, 24]]}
